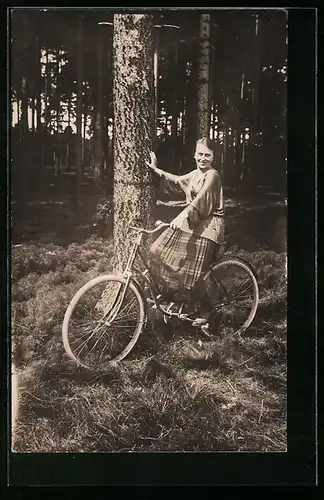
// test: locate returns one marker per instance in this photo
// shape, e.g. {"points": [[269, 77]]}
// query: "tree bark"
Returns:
{"points": [[203, 79], [133, 92]]}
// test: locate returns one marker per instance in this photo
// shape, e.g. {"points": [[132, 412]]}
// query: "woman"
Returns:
{"points": [[184, 251]]}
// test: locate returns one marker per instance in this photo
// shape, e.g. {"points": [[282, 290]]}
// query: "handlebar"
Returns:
{"points": [[159, 225]]}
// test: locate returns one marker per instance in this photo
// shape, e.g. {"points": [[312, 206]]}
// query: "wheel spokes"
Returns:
{"points": [[94, 335], [233, 295]]}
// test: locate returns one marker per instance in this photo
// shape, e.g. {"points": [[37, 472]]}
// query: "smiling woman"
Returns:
{"points": [[183, 251]]}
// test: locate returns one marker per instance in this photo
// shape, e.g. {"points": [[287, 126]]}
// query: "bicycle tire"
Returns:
{"points": [[70, 343], [215, 270]]}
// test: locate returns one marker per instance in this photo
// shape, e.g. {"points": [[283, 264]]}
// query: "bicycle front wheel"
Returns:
{"points": [[233, 290], [103, 322]]}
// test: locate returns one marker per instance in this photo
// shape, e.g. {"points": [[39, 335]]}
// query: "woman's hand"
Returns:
{"points": [[153, 163], [178, 221]]}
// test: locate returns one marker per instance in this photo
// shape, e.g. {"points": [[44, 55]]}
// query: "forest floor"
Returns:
{"points": [[176, 391], [251, 222]]}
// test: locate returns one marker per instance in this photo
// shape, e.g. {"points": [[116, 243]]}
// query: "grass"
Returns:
{"points": [[172, 393]]}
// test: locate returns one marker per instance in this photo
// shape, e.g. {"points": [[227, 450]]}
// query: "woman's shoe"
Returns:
{"points": [[202, 319], [205, 330], [200, 322]]}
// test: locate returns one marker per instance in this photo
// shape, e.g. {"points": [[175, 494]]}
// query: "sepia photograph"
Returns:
{"points": [[148, 179]]}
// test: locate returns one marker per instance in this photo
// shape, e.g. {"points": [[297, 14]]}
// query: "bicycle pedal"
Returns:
{"points": [[200, 322], [205, 330], [169, 309]]}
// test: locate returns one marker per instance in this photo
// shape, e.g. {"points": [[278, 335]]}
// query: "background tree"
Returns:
{"points": [[99, 123], [203, 79], [247, 99], [133, 125], [79, 171]]}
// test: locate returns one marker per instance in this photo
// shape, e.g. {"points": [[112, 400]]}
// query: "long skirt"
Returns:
{"points": [[178, 260]]}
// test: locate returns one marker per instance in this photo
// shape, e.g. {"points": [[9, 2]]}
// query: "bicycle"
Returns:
{"points": [[107, 315]]}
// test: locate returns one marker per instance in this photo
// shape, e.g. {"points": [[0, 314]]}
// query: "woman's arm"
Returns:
{"points": [[180, 180], [203, 205]]}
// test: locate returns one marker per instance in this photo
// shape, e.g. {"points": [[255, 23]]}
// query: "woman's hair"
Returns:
{"points": [[208, 143]]}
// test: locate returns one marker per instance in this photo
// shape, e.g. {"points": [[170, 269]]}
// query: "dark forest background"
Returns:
{"points": [[61, 71]]}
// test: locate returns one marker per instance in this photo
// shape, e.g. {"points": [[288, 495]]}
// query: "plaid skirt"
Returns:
{"points": [[178, 259]]}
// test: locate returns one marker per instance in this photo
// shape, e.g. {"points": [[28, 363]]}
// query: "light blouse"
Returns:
{"points": [[204, 198]]}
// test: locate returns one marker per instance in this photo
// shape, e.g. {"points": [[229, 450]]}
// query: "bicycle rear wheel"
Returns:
{"points": [[233, 291], [103, 322]]}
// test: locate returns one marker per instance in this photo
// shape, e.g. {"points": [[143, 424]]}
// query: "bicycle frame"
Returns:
{"points": [[127, 273], [131, 268]]}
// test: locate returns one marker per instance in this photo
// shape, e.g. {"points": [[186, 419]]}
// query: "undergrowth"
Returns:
{"points": [[172, 393]]}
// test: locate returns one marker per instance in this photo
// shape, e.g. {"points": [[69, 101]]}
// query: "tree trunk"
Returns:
{"points": [[242, 175], [79, 110], [254, 149], [38, 86], [203, 79], [69, 138], [238, 155], [33, 110], [24, 151], [58, 106], [19, 106], [156, 83], [174, 109], [38, 169], [25, 163], [133, 127], [225, 151], [256, 76], [99, 124], [108, 142], [84, 123], [47, 91], [181, 74], [192, 118], [45, 140]]}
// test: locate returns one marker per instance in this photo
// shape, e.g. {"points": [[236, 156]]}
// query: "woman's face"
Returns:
{"points": [[204, 157]]}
